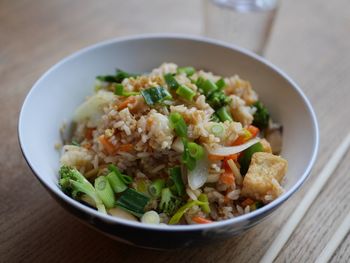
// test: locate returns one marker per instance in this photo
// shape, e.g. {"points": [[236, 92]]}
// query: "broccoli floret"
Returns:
{"points": [[73, 183], [261, 116], [218, 99], [169, 203]]}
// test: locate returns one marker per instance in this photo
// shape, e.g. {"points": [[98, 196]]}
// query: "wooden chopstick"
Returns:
{"points": [[303, 206], [333, 244]]}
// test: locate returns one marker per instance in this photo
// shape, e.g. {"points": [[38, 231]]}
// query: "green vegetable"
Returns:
{"points": [[182, 210], [205, 207], [207, 86], [75, 143], [133, 202], [104, 191], [155, 95], [178, 123], [116, 182], [214, 117], [171, 81], [217, 99], [223, 114], [185, 92], [220, 83], [73, 183], [125, 178], [169, 203], [261, 116], [142, 185], [119, 90], [175, 175], [187, 159], [246, 156], [217, 129], [117, 78], [155, 189], [189, 71], [195, 150]]}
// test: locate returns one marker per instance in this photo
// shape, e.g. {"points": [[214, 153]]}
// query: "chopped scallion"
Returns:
{"points": [[217, 129], [178, 123], [182, 210], [220, 83], [195, 150], [117, 78], [104, 191], [133, 202], [171, 81], [187, 159], [189, 71], [175, 175], [155, 95], [119, 90], [206, 86], [125, 178], [185, 92], [223, 114], [116, 182], [205, 207], [155, 189]]}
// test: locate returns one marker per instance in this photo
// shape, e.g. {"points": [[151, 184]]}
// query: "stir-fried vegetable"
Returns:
{"points": [[133, 202], [176, 176], [205, 207], [223, 114], [189, 71], [218, 99], [171, 81], [117, 78], [185, 92], [73, 183], [104, 191], [187, 159], [119, 90], [155, 95], [182, 210], [150, 217], [225, 151], [220, 84], [195, 150], [116, 181], [169, 203], [246, 156], [155, 188], [261, 116], [178, 123], [217, 129], [125, 178]]}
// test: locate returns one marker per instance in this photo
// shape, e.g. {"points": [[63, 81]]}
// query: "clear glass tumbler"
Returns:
{"points": [[246, 23]]}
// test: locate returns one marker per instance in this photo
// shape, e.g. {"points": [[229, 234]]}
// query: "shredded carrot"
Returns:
{"points": [[247, 202], [125, 148], [243, 138], [109, 147], [88, 133], [201, 220], [227, 178], [127, 101], [213, 157], [253, 130]]}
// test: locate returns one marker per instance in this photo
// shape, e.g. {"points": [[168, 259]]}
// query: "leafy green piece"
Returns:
{"points": [[133, 202], [261, 116], [117, 78], [246, 156], [155, 95], [171, 81], [176, 177], [182, 210]]}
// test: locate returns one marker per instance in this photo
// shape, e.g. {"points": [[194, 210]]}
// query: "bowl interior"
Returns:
{"points": [[56, 95]]}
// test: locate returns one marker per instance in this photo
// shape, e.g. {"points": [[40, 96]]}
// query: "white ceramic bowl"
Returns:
{"points": [[55, 96]]}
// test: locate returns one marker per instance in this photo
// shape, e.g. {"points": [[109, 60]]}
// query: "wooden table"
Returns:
{"points": [[310, 41]]}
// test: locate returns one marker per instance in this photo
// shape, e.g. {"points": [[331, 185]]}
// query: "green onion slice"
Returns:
{"points": [[133, 202], [189, 71], [104, 191], [171, 81], [176, 176], [223, 114], [182, 210], [195, 150], [155, 189], [155, 95], [185, 92], [178, 123]]}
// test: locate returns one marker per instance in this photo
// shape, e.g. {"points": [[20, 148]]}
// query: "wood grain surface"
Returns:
{"points": [[310, 41]]}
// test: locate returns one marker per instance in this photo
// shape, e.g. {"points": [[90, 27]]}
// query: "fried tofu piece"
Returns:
{"points": [[262, 181]]}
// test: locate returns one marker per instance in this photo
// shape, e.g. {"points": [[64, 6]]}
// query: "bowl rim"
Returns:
{"points": [[218, 224]]}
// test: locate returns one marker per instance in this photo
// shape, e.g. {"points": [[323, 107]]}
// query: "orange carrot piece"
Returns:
{"points": [[227, 178], [243, 138], [201, 220], [233, 157], [127, 101], [247, 202], [125, 147], [213, 157], [253, 130], [109, 147]]}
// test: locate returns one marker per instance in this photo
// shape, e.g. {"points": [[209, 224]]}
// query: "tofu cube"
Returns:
{"points": [[262, 181]]}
